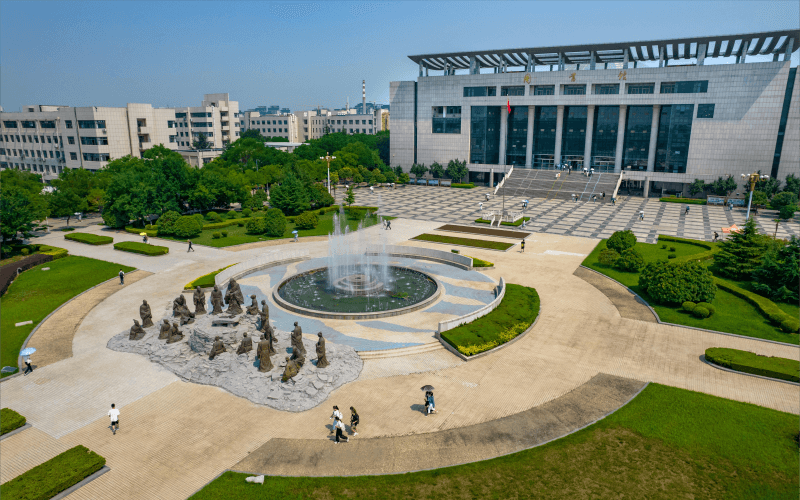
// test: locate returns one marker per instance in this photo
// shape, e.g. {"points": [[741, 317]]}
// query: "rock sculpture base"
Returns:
{"points": [[238, 374]]}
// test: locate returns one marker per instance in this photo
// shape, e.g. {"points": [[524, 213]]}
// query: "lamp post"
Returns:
{"points": [[328, 157], [753, 179]]}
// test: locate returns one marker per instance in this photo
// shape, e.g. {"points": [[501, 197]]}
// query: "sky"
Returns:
{"points": [[302, 55]]}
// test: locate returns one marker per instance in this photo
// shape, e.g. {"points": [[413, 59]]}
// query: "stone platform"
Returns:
{"points": [[238, 374]]}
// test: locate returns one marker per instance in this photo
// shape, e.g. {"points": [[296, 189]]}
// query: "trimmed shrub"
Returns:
{"points": [[224, 234], [607, 257], [188, 227], [321, 211], [307, 220], [790, 326], [54, 476], [256, 225], [142, 248], [689, 306], [55, 252], [215, 236], [356, 213], [454, 251], [199, 217], [10, 420], [711, 309], [232, 214], [672, 256], [90, 239], [247, 212], [672, 249], [213, 217], [663, 247], [748, 362], [765, 306], [630, 261], [462, 186], [621, 241], [241, 223], [275, 223], [166, 223], [676, 283], [701, 312], [25, 251]]}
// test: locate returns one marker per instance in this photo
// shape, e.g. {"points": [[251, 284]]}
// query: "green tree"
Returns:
{"points": [[398, 170], [782, 199], [290, 196], [349, 196], [722, 186], [778, 276], [275, 223], [792, 184], [698, 186], [403, 178], [768, 187], [17, 215], [390, 176], [669, 283], [201, 198], [201, 142], [64, 203], [319, 196], [787, 211], [419, 170], [166, 223], [456, 170], [741, 253], [759, 198], [437, 171], [621, 241], [382, 143]]}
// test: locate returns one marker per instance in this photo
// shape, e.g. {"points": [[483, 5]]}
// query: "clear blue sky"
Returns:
{"points": [[300, 55]]}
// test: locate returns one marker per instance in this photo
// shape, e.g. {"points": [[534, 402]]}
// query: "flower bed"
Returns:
{"points": [[467, 242], [748, 362], [142, 248], [54, 476], [89, 239]]}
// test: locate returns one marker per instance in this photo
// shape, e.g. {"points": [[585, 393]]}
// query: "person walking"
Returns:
{"points": [[389, 224], [339, 426], [354, 421], [335, 415], [114, 414], [522, 246], [190, 247], [28, 367], [603, 195], [121, 277], [687, 211], [430, 403], [716, 236], [613, 201]]}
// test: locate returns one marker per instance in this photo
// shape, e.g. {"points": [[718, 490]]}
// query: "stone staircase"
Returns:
{"points": [[528, 183], [405, 351]]}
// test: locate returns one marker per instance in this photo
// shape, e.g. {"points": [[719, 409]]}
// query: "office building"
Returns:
{"points": [[270, 125]]}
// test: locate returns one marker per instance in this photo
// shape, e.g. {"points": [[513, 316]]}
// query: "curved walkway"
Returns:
{"points": [[629, 305], [584, 405]]}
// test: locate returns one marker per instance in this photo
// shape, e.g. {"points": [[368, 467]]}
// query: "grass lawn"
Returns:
{"points": [[54, 476], [748, 362], [36, 293], [514, 315], [206, 280], [666, 443], [10, 420], [734, 314], [467, 242]]}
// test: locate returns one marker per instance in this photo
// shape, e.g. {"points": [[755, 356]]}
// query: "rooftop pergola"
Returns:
{"points": [[764, 43]]}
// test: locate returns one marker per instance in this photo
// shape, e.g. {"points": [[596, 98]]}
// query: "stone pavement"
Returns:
{"points": [[176, 436], [629, 305]]}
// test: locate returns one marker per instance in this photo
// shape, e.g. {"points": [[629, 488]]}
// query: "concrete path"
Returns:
{"points": [[629, 305]]}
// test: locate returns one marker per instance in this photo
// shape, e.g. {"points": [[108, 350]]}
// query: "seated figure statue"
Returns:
{"points": [[137, 332], [246, 345], [291, 370], [199, 298], [175, 334], [234, 290], [252, 309], [216, 300], [263, 353], [269, 335], [146, 314], [322, 359], [234, 306], [298, 349], [179, 308], [217, 349], [165, 330]]}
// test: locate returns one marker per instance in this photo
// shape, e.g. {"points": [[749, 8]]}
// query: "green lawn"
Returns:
{"points": [[54, 476], [748, 362], [36, 293], [734, 314], [206, 280], [666, 443], [467, 242], [10, 420]]}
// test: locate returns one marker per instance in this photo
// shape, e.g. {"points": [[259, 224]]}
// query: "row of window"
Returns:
{"points": [[688, 87], [267, 122], [30, 154], [31, 138], [56, 169], [42, 124]]}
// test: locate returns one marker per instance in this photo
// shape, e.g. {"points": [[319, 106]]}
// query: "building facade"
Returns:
{"points": [[47, 139], [314, 124], [663, 125], [270, 125]]}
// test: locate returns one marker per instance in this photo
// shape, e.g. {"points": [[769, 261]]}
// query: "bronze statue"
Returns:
{"points": [[264, 315], [269, 335], [298, 349], [216, 301], [263, 353], [252, 309], [137, 332], [179, 308], [234, 306], [291, 370], [322, 359], [217, 349], [199, 298], [234, 290], [246, 345], [175, 335], [146, 315], [165, 330]]}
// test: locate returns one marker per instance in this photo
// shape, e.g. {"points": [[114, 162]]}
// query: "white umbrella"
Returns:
{"points": [[294, 232], [27, 351]]}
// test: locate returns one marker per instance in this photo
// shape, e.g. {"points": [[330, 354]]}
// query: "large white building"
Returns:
{"points": [[47, 139], [664, 125], [316, 123], [270, 125]]}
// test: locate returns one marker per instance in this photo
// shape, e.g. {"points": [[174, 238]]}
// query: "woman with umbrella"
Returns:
{"points": [[26, 358], [430, 407], [295, 235]]}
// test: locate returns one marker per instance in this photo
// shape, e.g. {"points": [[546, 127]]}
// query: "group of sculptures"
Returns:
{"points": [[234, 298]]}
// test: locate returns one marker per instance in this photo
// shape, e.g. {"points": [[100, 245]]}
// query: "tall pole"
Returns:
{"points": [[753, 179], [328, 157], [750, 202]]}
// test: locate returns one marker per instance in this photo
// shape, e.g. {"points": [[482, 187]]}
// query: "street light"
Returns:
{"points": [[524, 206], [753, 179], [328, 157]]}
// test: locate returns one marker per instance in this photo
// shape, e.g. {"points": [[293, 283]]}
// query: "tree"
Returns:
{"points": [[290, 196], [64, 203], [792, 184], [741, 253], [777, 277], [349, 197], [787, 211], [319, 196], [17, 215], [201, 142], [398, 170], [166, 223], [306, 220], [403, 178], [382, 143], [456, 170], [669, 283], [188, 227], [722, 187], [759, 198], [698, 186], [768, 187], [275, 223], [437, 171], [621, 241], [419, 170], [782, 199], [630, 261]]}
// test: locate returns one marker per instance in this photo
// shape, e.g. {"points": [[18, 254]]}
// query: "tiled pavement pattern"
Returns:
{"points": [[558, 216]]}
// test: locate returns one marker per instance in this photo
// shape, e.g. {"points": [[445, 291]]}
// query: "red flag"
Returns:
{"points": [[508, 103]]}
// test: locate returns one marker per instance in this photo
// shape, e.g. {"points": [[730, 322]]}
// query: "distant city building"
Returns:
{"points": [[317, 123], [48, 138], [270, 125]]}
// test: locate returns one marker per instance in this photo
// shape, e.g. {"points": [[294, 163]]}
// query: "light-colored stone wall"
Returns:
{"points": [[401, 98], [790, 152], [281, 125]]}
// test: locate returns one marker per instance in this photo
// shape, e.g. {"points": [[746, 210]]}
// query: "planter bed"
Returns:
{"points": [[90, 239], [10, 420], [142, 248], [513, 224], [205, 281], [466, 242], [748, 362], [54, 476], [687, 201]]}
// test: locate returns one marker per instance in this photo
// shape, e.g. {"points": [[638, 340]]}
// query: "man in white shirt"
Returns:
{"points": [[114, 414], [339, 426], [336, 414]]}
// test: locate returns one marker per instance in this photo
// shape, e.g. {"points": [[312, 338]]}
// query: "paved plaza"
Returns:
{"points": [[590, 351]]}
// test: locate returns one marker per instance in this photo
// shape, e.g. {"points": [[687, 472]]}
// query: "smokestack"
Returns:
{"points": [[364, 96]]}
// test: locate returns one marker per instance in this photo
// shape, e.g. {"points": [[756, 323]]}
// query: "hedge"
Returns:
{"points": [[151, 231], [468, 242], [90, 239], [10, 420], [687, 201], [54, 476], [142, 248], [55, 252], [769, 309], [206, 280], [748, 362], [708, 254], [463, 186], [481, 263]]}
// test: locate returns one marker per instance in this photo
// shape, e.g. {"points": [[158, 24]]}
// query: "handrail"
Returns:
{"points": [[502, 182], [422, 252], [483, 311]]}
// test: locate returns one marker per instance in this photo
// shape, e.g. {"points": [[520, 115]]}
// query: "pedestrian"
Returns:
{"points": [[687, 211], [487, 196], [641, 215], [295, 237], [144, 239], [339, 426], [28, 367], [613, 201], [429, 403], [716, 236], [388, 224], [190, 247], [603, 195], [371, 189], [335, 415], [522, 245], [121, 277], [354, 421], [114, 414]]}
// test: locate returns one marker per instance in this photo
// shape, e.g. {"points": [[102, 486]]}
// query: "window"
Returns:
{"points": [[47, 124], [170, 124], [24, 139], [55, 139], [370, 122], [674, 132], [480, 91], [351, 122], [58, 154], [446, 120], [544, 90], [51, 154], [485, 135], [640, 88], [199, 115], [28, 124], [36, 139], [705, 111], [512, 90], [574, 89], [91, 124], [95, 156], [2, 151], [10, 123], [172, 138], [606, 88], [71, 140], [637, 137], [180, 115], [68, 123], [202, 124], [693, 87], [94, 141], [73, 155]]}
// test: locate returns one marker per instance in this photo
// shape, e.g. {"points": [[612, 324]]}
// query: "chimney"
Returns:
{"points": [[364, 97]]}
